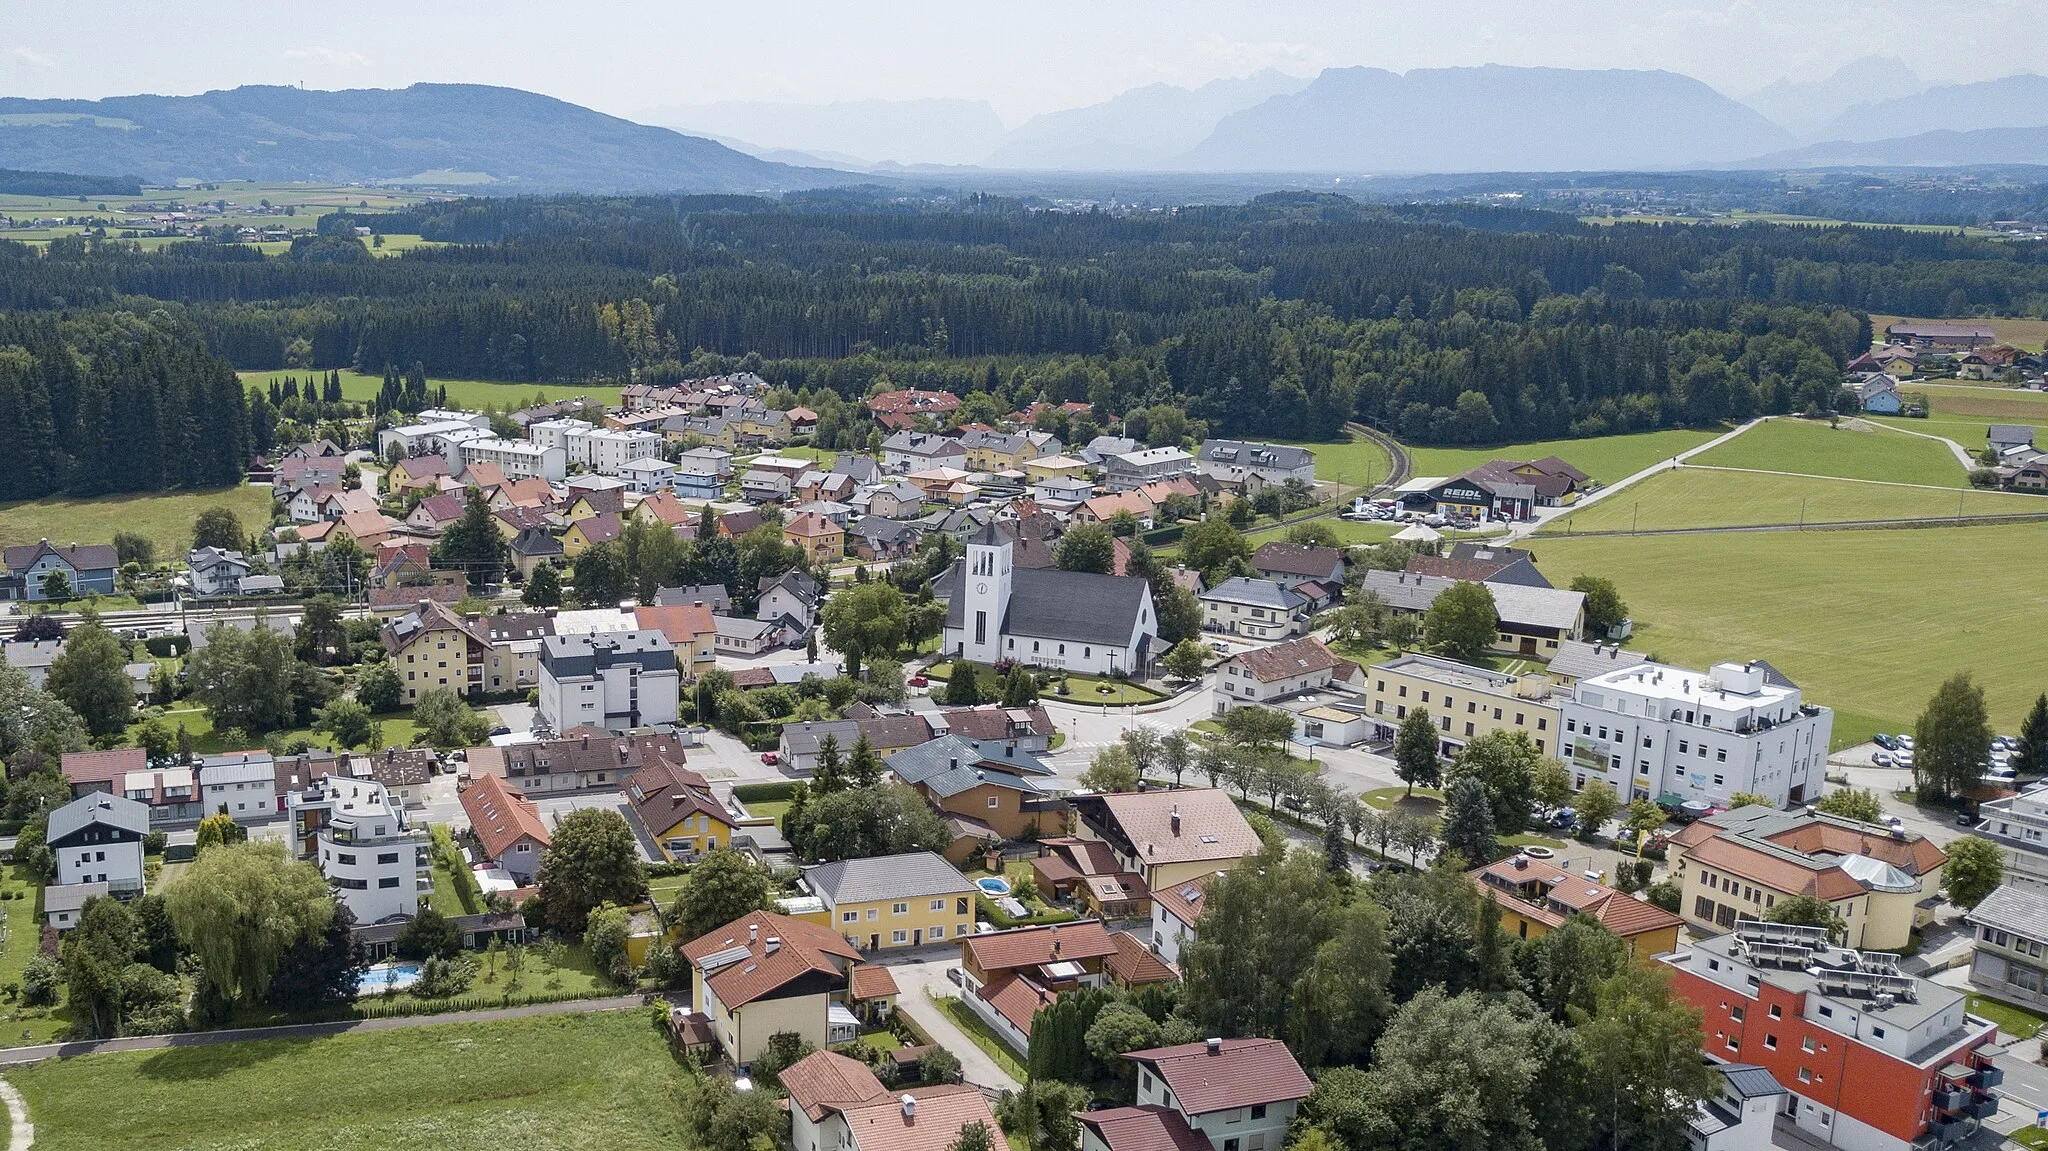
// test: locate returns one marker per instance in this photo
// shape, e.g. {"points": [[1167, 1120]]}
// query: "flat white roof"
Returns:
{"points": [[1421, 484], [1683, 685]]}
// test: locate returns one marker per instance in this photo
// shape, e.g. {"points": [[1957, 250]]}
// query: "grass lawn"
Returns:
{"points": [[1711, 498], [361, 386], [880, 1039], [165, 517], [1605, 458], [1529, 839], [1346, 531], [2010, 1019], [662, 892], [1949, 604], [1355, 463], [1086, 689], [1424, 801], [398, 730], [445, 900], [768, 809], [575, 1082], [2031, 1137], [22, 1026], [1853, 451], [982, 1035]]}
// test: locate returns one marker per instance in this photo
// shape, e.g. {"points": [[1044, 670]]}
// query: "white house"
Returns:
{"points": [[1045, 617], [907, 452], [613, 680], [215, 571], [243, 785], [1239, 1094], [1265, 675], [518, 459], [649, 475], [1121, 473], [1232, 462], [792, 596], [360, 838], [1653, 730], [1175, 908], [97, 838]]}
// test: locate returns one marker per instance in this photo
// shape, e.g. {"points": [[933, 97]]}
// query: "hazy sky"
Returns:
{"points": [[1025, 56]]}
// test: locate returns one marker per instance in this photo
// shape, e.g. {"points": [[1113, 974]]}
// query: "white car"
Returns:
{"points": [[1882, 759], [1903, 759], [1906, 741]]}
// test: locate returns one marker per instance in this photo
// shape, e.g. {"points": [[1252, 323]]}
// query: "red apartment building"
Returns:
{"points": [[1872, 1059]]}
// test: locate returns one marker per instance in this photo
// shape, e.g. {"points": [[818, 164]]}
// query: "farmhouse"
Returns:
{"points": [[1534, 621]]}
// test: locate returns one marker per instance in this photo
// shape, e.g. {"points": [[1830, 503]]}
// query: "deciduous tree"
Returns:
{"points": [[592, 860], [1952, 740], [1462, 622], [91, 676], [723, 886], [1415, 758], [1186, 660], [1851, 803], [1604, 606], [1975, 869], [1085, 547], [241, 907]]}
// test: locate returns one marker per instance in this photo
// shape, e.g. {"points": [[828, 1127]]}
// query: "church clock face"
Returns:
{"points": [[981, 588]]}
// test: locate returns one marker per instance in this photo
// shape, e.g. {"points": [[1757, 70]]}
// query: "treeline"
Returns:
{"points": [[97, 403], [17, 182], [1284, 317]]}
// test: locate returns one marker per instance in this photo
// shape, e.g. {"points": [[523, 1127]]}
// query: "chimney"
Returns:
{"points": [[1215, 1046], [586, 739], [954, 763], [753, 933], [1175, 816], [909, 1106]]}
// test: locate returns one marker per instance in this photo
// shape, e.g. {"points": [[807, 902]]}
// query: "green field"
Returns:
{"points": [[363, 387], [594, 1082], [165, 517], [1693, 497], [1358, 463], [1855, 451], [1605, 458], [1965, 412], [1867, 622], [2020, 332]]}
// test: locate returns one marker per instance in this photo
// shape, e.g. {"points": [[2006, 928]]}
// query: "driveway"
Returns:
{"points": [[921, 979]]}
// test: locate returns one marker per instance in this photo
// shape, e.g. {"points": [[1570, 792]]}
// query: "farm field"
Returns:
{"points": [[1356, 463], [1853, 451], [1605, 458], [582, 1082], [1694, 497], [1964, 412], [2019, 331], [165, 517], [363, 386], [1948, 602]]}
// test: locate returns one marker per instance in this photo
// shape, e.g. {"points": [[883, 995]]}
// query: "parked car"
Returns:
{"points": [[1967, 819], [1882, 759], [770, 758], [1884, 741], [1903, 759], [918, 681], [1906, 741]]}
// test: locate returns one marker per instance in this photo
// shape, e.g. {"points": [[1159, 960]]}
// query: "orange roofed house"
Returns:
{"points": [[1167, 837], [508, 826], [676, 809], [837, 1104], [1011, 974], [1536, 898], [765, 973]]}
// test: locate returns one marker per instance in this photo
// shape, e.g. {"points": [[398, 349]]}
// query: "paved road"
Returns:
{"points": [[19, 1056], [920, 981], [1545, 515]]}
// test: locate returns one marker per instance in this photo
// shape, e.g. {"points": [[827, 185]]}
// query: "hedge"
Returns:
{"points": [[765, 792]]}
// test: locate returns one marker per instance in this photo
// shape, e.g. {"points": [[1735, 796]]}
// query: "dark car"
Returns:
{"points": [[1884, 741], [1966, 819]]}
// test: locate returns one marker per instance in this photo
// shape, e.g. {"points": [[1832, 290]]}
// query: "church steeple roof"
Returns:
{"points": [[989, 536]]}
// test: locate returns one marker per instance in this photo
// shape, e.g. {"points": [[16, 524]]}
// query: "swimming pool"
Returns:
{"points": [[387, 977], [993, 885]]}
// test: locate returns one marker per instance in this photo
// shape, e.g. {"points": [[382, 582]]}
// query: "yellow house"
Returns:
{"points": [[1535, 898], [423, 472], [1168, 837], [1464, 701], [763, 974], [1001, 451], [432, 647], [820, 539], [589, 532], [1050, 466], [676, 809], [895, 900]]}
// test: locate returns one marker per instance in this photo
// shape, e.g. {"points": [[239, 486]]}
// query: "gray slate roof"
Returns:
{"points": [[1047, 603], [916, 875], [70, 896], [932, 765], [1245, 454], [1517, 604], [805, 738], [2020, 909], [1751, 1081], [98, 808], [1997, 434], [1255, 593], [1580, 660], [577, 655]]}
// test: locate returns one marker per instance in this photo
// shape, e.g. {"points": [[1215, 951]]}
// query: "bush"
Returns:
{"points": [[40, 981], [1667, 895], [765, 792], [168, 646], [441, 978]]}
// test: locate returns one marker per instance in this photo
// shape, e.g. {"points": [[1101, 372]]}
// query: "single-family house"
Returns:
{"points": [[792, 596], [1535, 898], [675, 808], [1176, 908], [985, 795], [587, 533], [97, 838], [819, 538], [214, 571], [507, 826], [1009, 975], [763, 974], [893, 901], [242, 784], [908, 451], [1167, 836], [877, 539], [1254, 608], [1237, 1094], [35, 570], [1265, 675], [1288, 564], [32, 657]]}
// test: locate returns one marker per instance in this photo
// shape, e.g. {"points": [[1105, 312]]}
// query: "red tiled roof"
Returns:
{"points": [[1183, 900], [664, 793], [1037, 946], [990, 722], [939, 1114], [1243, 1073], [1135, 964], [678, 623], [1731, 855], [500, 818], [1152, 1128], [826, 1081], [82, 767], [1016, 999], [1620, 913], [871, 981], [800, 949]]}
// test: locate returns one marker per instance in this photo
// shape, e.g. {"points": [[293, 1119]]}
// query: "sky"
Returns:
{"points": [[1023, 56]]}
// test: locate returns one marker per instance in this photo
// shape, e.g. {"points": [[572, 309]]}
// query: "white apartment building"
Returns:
{"points": [[2019, 826], [518, 459], [244, 785], [428, 437], [1654, 730], [555, 433], [97, 838], [649, 475], [478, 420], [613, 680], [360, 838], [602, 450]]}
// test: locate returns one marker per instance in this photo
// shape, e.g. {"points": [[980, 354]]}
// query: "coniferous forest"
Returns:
{"points": [[1283, 317]]}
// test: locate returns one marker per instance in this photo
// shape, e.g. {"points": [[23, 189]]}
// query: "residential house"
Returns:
{"points": [[837, 1104], [733, 525], [363, 843], [820, 539], [32, 657], [2003, 438], [1087, 874], [897, 500], [533, 547], [1009, 975], [172, 793], [97, 838], [1105, 508], [764, 487], [1265, 675], [907, 452], [1134, 469], [1253, 608], [447, 589], [589, 532], [665, 509], [1464, 702], [367, 528], [894, 900], [1656, 730], [1533, 620], [2018, 824], [736, 636], [697, 479], [986, 795], [713, 596], [507, 826], [585, 760], [527, 492], [675, 808], [803, 742], [1055, 467], [404, 772], [417, 473], [1288, 564], [1043, 617], [1237, 1094], [63, 906], [879, 540], [1499, 565], [431, 646], [242, 784], [1097, 452], [1167, 836], [1133, 965], [517, 459], [944, 487], [436, 513], [1062, 493], [1872, 1057], [763, 974], [900, 408], [1878, 394], [993, 451], [1026, 729], [817, 485], [1575, 661], [617, 680], [1736, 865], [1535, 898], [399, 564], [1176, 908], [792, 597], [101, 771], [1236, 463], [690, 628], [31, 568]]}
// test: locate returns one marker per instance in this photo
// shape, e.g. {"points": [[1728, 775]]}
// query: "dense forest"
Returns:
{"points": [[1285, 316]]}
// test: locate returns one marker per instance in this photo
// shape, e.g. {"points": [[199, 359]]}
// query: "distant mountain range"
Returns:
{"points": [[1491, 118], [858, 132], [1805, 108], [1928, 149], [1145, 128], [429, 132], [2010, 102]]}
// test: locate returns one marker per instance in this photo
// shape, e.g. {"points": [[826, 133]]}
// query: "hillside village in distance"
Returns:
{"points": [[893, 773]]}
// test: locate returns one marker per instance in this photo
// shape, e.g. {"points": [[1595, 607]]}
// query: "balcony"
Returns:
{"points": [[1951, 1099], [1946, 1129], [1989, 1076], [1984, 1107]]}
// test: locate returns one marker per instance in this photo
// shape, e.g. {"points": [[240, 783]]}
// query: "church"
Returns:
{"points": [[1044, 617]]}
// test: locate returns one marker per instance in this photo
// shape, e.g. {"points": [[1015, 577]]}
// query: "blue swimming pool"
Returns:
{"points": [[387, 977], [993, 885]]}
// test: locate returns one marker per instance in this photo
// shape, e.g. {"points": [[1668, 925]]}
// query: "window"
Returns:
{"points": [[960, 906], [1145, 1077], [1805, 1076], [899, 909], [1827, 1012], [1258, 1110], [344, 859], [994, 801], [1777, 1012], [1877, 1032], [874, 913], [938, 905], [387, 857], [1230, 1144], [1735, 1013], [1806, 1045], [849, 917], [388, 881], [1770, 1043], [938, 933], [899, 937]]}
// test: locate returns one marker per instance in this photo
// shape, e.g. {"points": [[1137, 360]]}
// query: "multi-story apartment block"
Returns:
{"points": [[2010, 958], [1654, 730], [518, 459], [363, 843], [2018, 824], [1464, 701], [613, 680]]}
